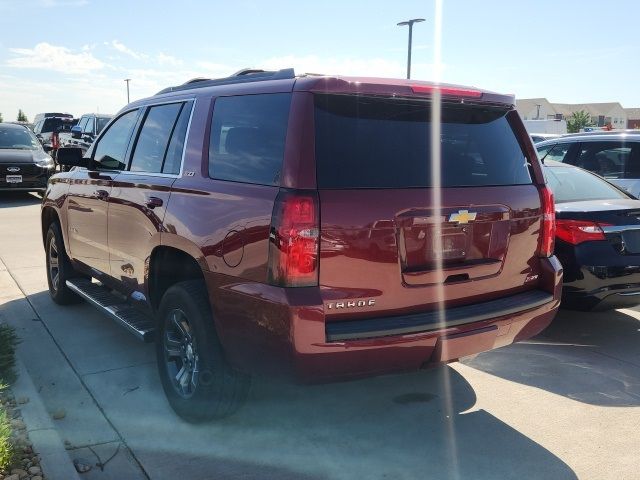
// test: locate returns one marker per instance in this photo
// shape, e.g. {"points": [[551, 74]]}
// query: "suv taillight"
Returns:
{"points": [[294, 240], [548, 226], [578, 231]]}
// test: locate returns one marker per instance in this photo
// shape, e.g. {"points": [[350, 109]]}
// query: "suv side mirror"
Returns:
{"points": [[76, 131], [72, 157]]}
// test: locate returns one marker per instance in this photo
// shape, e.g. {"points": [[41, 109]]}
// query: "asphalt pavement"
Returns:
{"points": [[563, 405]]}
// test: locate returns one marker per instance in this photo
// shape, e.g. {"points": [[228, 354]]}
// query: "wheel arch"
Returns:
{"points": [[48, 216], [169, 265]]}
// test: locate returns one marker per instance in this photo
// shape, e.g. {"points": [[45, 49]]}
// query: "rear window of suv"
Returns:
{"points": [[375, 142]]}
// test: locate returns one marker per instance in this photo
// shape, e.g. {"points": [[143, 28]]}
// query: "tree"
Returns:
{"points": [[578, 120], [21, 116], [1, 118]]}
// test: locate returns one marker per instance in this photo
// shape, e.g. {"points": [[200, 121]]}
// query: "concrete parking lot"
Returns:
{"points": [[564, 405]]}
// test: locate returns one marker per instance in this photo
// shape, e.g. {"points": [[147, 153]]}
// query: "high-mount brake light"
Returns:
{"points": [[294, 240], [448, 91], [548, 226], [578, 231]]}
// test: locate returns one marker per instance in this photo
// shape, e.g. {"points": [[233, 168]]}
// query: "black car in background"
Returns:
{"points": [[24, 165], [614, 155], [597, 239]]}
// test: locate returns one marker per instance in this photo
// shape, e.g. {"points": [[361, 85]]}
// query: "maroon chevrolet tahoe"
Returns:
{"points": [[268, 222]]}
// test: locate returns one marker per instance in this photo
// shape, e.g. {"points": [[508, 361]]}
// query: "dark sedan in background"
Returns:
{"points": [[597, 239], [24, 165]]}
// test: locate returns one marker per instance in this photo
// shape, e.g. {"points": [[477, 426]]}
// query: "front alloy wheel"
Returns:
{"points": [[59, 268], [54, 265]]}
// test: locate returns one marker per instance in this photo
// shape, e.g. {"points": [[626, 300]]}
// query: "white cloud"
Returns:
{"points": [[164, 59], [51, 57], [127, 51], [62, 3]]}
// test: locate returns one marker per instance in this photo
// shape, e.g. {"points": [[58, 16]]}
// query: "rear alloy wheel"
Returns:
{"points": [[59, 268], [181, 354], [199, 383]]}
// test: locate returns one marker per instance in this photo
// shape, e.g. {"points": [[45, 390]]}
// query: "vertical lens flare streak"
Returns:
{"points": [[436, 203]]}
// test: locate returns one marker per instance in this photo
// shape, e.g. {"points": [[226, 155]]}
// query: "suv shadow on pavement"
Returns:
{"points": [[591, 357], [18, 199], [395, 426]]}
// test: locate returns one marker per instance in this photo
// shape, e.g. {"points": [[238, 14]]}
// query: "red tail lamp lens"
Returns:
{"points": [[548, 227], [294, 240], [578, 231]]}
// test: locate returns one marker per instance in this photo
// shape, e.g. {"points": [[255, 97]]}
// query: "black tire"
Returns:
{"points": [[59, 268], [188, 351]]}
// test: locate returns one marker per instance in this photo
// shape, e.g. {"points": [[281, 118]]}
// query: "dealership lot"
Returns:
{"points": [[532, 410]]}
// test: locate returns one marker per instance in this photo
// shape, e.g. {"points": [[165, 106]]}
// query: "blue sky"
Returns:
{"points": [[72, 55]]}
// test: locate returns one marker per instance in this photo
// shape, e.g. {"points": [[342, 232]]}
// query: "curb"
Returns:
{"points": [[54, 459]]}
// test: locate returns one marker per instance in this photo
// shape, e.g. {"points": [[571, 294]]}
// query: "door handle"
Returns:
{"points": [[154, 202], [101, 194]]}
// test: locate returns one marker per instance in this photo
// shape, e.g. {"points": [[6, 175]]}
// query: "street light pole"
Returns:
{"points": [[410, 23], [127, 80]]}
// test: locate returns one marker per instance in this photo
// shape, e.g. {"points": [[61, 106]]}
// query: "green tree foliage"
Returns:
{"points": [[578, 120], [1, 118], [21, 116]]}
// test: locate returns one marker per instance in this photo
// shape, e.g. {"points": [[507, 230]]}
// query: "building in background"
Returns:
{"points": [[633, 117], [602, 114], [535, 109]]}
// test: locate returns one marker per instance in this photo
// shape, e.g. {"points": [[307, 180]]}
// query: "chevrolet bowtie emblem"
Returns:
{"points": [[463, 216]]}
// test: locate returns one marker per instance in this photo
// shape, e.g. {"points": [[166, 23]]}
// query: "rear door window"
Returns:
{"points": [[173, 157], [248, 138], [157, 126], [607, 159], [372, 142]]}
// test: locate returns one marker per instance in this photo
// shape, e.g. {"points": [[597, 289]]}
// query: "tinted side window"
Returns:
{"points": [[154, 137], [176, 146], [248, 138], [607, 159], [112, 146]]}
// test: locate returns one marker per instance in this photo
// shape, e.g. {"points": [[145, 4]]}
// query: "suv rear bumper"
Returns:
{"points": [[265, 329]]}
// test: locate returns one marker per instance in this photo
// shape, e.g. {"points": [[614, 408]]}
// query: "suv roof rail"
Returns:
{"points": [[245, 75]]}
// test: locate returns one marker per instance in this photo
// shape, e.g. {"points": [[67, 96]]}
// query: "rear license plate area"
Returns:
{"points": [[14, 178]]}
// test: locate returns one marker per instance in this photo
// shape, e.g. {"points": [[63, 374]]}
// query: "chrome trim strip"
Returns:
{"points": [[619, 228], [630, 294]]}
